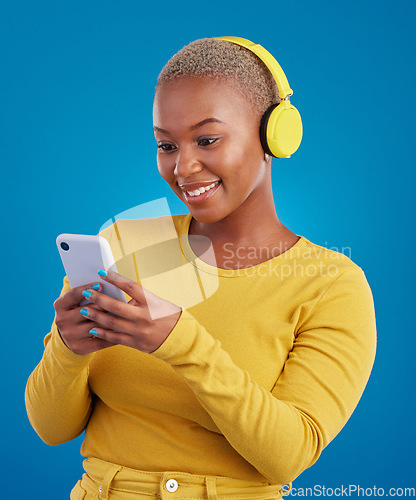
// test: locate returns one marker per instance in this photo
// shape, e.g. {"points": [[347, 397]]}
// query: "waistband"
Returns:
{"points": [[104, 477]]}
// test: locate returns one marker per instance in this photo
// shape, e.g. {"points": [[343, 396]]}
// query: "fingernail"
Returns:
{"points": [[84, 312], [96, 286], [86, 293], [93, 332], [102, 272]]}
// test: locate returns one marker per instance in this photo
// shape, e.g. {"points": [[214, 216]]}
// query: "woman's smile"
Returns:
{"points": [[200, 194]]}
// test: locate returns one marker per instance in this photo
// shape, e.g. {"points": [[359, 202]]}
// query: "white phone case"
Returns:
{"points": [[82, 256]]}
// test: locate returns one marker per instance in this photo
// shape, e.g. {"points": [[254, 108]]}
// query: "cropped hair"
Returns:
{"points": [[219, 59]]}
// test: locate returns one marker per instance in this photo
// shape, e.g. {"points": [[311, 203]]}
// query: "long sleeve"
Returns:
{"points": [[58, 400], [283, 431]]}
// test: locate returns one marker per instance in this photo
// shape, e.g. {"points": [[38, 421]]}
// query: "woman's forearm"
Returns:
{"points": [[283, 432], [58, 400]]}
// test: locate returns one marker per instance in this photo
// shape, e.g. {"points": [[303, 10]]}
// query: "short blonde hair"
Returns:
{"points": [[219, 59]]}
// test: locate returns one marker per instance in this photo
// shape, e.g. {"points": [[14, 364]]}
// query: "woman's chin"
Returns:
{"points": [[204, 218]]}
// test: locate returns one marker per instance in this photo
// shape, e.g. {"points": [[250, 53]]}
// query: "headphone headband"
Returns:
{"points": [[271, 63], [281, 125]]}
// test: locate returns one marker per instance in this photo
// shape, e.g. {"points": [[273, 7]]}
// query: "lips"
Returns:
{"points": [[191, 186], [194, 198], [201, 189]]}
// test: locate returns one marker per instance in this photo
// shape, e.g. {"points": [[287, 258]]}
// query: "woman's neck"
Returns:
{"points": [[237, 245]]}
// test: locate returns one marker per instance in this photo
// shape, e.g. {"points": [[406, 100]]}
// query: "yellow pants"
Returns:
{"points": [[104, 480]]}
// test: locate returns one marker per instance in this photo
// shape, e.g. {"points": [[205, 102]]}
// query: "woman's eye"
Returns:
{"points": [[206, 141], [166, 147]]}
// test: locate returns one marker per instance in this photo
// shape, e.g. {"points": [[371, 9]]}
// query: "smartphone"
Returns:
{"points": [[82, 256]]}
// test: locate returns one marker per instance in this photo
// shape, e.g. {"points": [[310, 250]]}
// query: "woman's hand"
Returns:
{"points": [[72, 326], [144, 323]]}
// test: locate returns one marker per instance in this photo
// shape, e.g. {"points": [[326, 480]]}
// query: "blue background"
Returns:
{"points": [[77, 148]]}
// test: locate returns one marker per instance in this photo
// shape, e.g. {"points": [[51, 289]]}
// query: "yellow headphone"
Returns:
{"points": [[281, 125]]}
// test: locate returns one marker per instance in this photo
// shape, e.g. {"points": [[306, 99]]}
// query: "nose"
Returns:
{"points": [[186, 163]]}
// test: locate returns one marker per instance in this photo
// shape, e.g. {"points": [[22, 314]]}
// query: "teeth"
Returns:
{"points": [[201, 190]]}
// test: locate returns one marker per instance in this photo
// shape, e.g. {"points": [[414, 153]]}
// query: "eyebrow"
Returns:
{"points": [[192, 127]]}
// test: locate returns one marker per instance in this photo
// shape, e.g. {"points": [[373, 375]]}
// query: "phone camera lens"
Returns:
{"points": [[64, 246]]}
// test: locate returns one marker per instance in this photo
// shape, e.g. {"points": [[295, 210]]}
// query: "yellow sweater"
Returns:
{"points": [[262, 370]]}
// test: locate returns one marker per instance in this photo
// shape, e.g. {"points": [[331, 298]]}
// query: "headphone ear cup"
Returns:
{"points": [[263, 129], [281, 130]]}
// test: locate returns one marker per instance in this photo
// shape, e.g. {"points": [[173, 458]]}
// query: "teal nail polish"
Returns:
{"points": [[96, 286], [86, 293], [103, 273], [84, 312], [93, 332]]}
